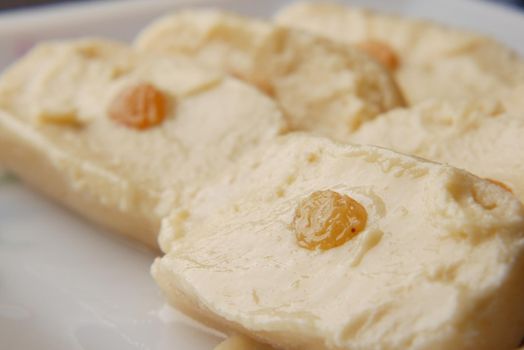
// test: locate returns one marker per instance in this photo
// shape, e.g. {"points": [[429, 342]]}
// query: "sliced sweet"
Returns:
{"points": [[483, 141], [437, 264], [122, 136], [434, 61], [324, 87]]}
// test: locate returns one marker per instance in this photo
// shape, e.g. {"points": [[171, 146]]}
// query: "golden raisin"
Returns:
{"points": [[327, 219], [500, 184], [139, 106], [382, 52]]}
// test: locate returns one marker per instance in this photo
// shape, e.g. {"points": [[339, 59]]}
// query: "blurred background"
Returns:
{"points": [[16, 4]]}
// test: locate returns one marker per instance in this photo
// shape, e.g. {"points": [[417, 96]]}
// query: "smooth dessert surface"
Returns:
{"points": [[141, 152], [485, 142], [214, 137], [440, 256], [435, 61], [322, 87]]}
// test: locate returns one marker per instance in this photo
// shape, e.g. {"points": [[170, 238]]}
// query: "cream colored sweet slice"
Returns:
{"points": [[122, 136], [322, 86], [326, 246], [434, 60], [481, 141]]}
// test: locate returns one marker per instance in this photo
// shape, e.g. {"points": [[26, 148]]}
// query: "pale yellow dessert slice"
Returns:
{"points": [[322, 86], [482, 141], [122, 136], [328, 247], [434, 61]]}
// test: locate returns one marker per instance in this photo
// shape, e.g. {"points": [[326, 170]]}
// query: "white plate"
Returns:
{"points": [[65, 284]]}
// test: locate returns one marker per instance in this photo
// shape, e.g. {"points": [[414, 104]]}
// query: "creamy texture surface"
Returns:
{"points": [[437, 266], [57, 100], [435, 61], [472, 137], [322, 86], [293, 240]]}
